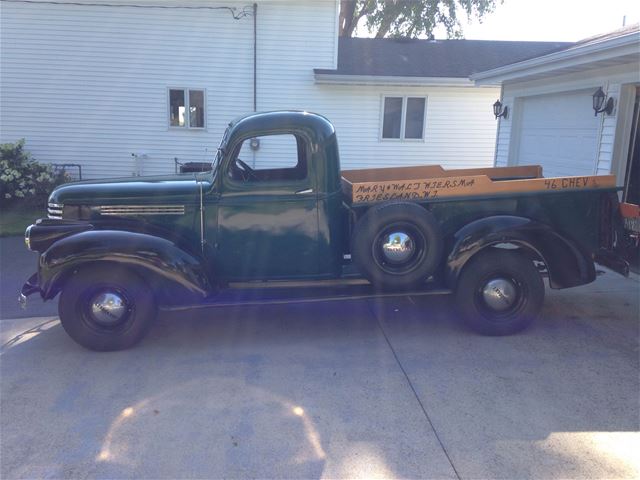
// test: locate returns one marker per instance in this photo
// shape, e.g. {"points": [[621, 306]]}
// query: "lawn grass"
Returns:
{"points": [[16, 218]]}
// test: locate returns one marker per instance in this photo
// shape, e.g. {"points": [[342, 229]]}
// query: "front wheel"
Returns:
{"points": [[106, 308], [499, 292]]}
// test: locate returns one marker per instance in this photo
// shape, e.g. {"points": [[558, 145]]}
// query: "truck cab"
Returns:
{"points": [[291, 215]]}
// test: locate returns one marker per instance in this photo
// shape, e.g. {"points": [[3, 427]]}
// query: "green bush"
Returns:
{"points": [[24, 180]]}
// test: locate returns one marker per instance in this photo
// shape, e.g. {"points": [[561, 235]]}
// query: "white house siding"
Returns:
{"points": [[460, 127], [288, 51], [608, 133], [88, 84], [610, 79]]}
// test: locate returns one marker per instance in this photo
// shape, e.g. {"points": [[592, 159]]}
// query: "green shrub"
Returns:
{"points": [[24, 180]]}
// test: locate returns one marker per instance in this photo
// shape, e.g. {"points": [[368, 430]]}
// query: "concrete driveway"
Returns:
{"points": [[369, 389]]}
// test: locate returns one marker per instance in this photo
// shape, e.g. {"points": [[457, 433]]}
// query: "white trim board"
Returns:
{"points": [[624, 46], [338, 79]]}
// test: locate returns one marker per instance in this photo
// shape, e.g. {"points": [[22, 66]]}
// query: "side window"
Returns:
{"points": [[403, 118], [392, 117], [269, 158], [186, 108], [414, 118]]}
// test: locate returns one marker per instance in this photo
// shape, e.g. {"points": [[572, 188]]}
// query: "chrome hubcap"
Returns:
{"points": [[499, 294], [397, 247], [108, 308]]}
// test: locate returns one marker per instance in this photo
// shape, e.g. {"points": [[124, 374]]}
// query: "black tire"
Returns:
{"points": [[499, 292], [373, 232], [106, 308]]}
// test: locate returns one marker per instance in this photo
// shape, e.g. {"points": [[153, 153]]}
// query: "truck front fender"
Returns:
{"points": [[568, 265], [175, 275]]}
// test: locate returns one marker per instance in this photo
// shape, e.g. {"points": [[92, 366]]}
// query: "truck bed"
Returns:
{"points": [[433, 181]]}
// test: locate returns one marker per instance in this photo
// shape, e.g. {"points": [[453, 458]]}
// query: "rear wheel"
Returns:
{"points": [[106, 308], [499, 292]]}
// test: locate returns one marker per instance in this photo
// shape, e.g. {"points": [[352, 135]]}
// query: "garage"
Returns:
{"points": [[559, 132]]}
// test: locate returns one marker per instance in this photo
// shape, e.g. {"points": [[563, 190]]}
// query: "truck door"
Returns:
{"points": [[268, 215]]}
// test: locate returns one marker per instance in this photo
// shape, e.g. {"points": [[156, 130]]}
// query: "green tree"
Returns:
{"points": [[409, 18]]}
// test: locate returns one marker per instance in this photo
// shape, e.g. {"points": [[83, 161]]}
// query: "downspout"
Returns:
{"points": [[255, 56], [202, 240], [255, 70]]}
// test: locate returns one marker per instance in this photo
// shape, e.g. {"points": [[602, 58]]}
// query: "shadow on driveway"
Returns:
{"points": [[340, 390], [255, 392]]}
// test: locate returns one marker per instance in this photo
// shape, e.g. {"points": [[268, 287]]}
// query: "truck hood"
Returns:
{"points": [[140, 190]]}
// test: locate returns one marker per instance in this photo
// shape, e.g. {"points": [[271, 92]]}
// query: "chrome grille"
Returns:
{"points": [[142, 210], [54, 210]]}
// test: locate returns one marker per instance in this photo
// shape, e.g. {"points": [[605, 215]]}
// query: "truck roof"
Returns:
{"points": [[281, 121]]}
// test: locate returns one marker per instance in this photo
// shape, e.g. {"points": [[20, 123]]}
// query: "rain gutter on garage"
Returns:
{"points": [[584, 55], [337, 79]]}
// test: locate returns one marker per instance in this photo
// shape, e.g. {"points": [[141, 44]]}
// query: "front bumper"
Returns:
{"points": [[30, 287]]}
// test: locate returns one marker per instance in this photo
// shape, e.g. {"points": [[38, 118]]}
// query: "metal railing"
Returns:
{"points": [[74, 170]]}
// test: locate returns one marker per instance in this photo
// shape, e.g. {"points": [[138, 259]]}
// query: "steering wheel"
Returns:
{"points": [[246, 172]]}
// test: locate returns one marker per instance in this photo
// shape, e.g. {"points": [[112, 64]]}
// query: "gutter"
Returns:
{"points": [[326, 78], [628, 44], [255, 57]]}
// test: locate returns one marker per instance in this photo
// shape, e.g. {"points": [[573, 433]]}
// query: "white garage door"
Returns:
{"points": [[560, 133]]}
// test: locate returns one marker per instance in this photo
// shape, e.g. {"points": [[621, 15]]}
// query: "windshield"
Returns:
{"points": [[220, 153]]}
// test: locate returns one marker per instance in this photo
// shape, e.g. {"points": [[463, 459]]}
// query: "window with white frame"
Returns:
{"points": [[186, 108], [403, 118]]}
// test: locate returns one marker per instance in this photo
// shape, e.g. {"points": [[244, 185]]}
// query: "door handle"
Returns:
{"points": [[302, 192]]}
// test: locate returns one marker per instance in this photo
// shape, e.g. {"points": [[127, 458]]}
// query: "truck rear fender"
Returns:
{"points": [[568, 265], [175, 275]]}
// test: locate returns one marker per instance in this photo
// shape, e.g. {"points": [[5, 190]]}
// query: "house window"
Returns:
{"points": [[403, 118], [186, 108]]}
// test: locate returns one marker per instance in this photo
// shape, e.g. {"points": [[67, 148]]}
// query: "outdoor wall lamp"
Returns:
{"points": [[499, 110], [599, 104]]}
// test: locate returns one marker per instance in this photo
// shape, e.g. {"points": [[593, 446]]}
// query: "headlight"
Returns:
{"points": [[27, 237], [54, 210]]}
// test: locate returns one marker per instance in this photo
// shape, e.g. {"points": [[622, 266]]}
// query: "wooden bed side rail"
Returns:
{"points": [[467, 185], [436, 171]]}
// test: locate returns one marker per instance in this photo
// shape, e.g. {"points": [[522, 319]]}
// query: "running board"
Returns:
{"points": [[280, 295]]}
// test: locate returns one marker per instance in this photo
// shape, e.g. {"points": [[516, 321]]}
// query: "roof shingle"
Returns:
{"points": [[431, 58]]}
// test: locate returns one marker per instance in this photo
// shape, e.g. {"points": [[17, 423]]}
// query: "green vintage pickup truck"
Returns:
{"points": [[119, 250]]}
